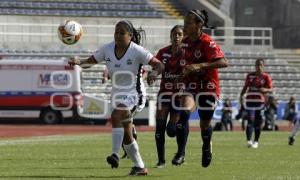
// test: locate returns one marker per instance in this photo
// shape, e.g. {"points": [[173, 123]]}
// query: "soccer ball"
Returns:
{"points": [[69, 32]]}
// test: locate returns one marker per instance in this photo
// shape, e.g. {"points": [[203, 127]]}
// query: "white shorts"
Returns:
{"points": [[133, 102]]}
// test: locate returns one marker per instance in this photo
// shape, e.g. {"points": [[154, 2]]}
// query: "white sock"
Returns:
{"points": [[134, 154], [295, 128], [117, 139]]}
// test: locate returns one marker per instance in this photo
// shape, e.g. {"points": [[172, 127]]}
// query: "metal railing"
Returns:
{"points": [[18, 36]]}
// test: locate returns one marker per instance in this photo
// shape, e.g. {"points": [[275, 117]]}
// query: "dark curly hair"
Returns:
{"points": [[138, 35]]}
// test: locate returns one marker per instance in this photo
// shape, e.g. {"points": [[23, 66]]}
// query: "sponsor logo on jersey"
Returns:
{"points": [[117, 65], [170, 75], [129, 61], [107, 59]]}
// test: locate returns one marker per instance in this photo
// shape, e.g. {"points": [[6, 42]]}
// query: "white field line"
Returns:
{"points": [[43, 139]]}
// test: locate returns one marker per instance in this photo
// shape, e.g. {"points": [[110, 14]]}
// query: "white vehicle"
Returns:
{"points": [[46, 89]]}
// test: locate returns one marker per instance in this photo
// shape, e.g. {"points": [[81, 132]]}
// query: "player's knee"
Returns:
{"points": [[171, 129], [119, 115]]}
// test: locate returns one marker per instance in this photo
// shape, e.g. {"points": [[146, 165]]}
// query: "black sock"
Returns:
{"points": [[249, 131], [160, 139], [257, 133], [182, 131], [206, 135]]}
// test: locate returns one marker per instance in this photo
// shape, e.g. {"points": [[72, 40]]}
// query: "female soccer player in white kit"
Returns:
{"points": [[124, 59]]}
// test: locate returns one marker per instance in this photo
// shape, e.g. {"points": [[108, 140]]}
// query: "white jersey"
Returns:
{"points": [[126, 72]]}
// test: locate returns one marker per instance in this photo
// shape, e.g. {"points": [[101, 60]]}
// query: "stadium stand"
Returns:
{"points": [[90, 8]]}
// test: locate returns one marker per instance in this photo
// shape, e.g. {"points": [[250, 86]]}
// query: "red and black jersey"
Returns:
{"points": [[173, 68], [254, 82], [204, 50]]}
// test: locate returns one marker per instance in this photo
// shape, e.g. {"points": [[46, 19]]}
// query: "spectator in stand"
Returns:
{"points": [[242, 115], [270, 114], [226, 118], [295, 129], [290, 111]]}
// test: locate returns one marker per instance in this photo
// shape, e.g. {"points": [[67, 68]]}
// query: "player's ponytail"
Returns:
{"points": [[138, 35]]}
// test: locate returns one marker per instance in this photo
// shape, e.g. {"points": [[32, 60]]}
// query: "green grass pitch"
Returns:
{"points": [[83, 157]]}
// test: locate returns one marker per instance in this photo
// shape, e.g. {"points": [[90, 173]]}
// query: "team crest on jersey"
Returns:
{"points": [[107, 59], [129, 61], [197, 54], [182, 62]]}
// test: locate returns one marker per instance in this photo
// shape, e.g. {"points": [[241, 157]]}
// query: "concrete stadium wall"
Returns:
{"points": [[281, 15]]}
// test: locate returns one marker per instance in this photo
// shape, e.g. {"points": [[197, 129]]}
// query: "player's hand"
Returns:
{"points": [[263, 90], [187, 70], [152, 77], [192, 68], [74, 61]]}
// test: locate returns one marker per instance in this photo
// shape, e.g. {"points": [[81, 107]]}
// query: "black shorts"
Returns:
{"points": [[206, 106], [255, 112]]}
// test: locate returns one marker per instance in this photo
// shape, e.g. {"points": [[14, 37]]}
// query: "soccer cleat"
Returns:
{"points": [[137, 171], [178, 159], [255, 145], [206, 155], [113, 160], [249, 144], [291, 140], [160, 164]]}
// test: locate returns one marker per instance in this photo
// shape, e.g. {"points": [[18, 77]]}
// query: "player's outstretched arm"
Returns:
{"points": [[84, 63], [217, 63], [157, 69]]}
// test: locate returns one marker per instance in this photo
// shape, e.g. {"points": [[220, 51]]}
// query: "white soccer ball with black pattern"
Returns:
{"points": [[69, 32]]}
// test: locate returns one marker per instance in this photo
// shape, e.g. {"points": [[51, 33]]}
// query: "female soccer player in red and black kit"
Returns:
{"points": [[170, 56], [203, 57], [257, 85]]}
